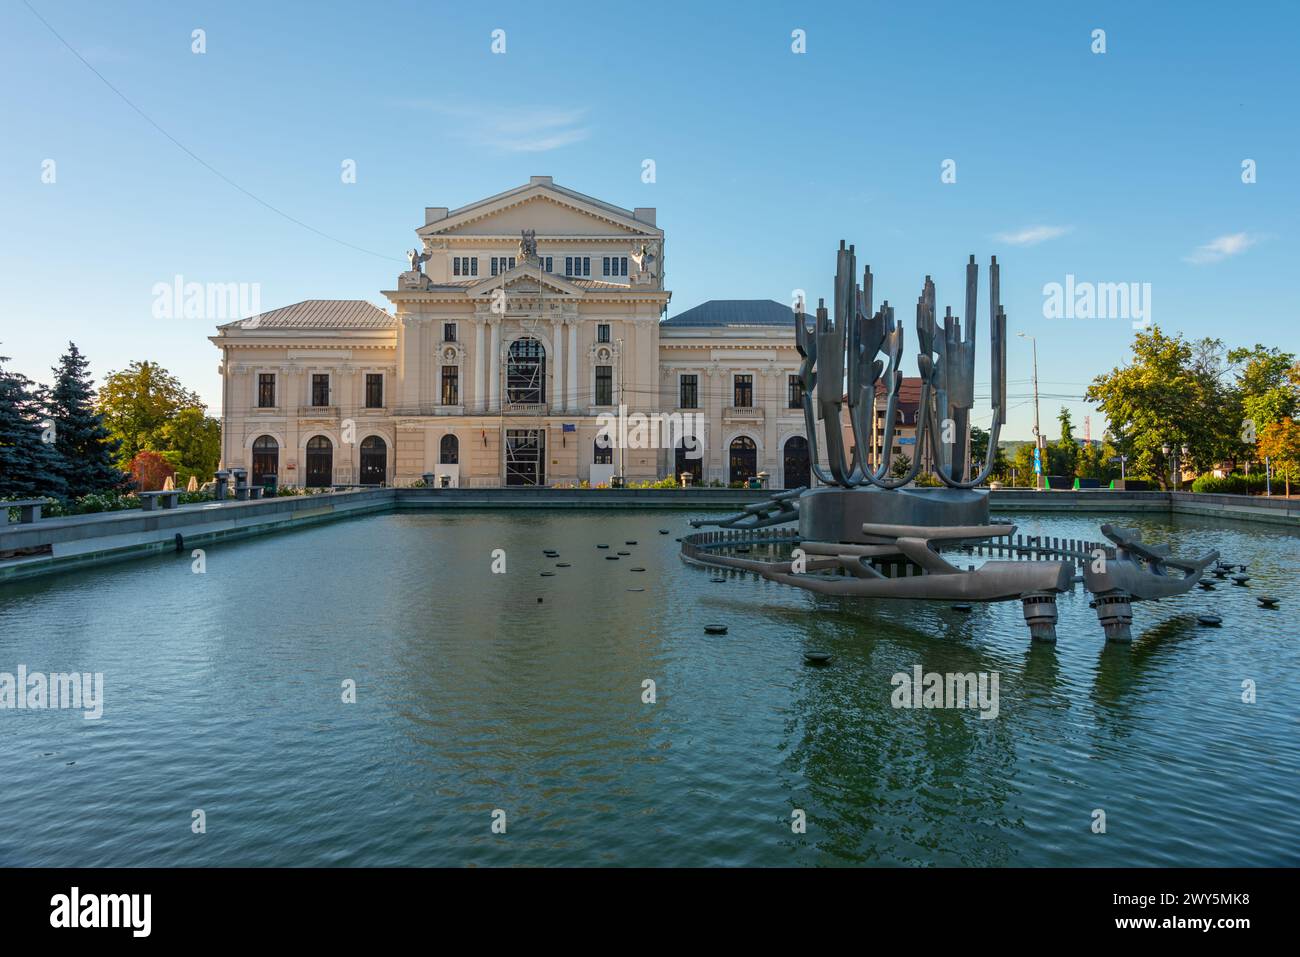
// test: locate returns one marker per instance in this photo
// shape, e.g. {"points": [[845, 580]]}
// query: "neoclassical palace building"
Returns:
{"points": [[522, 319]]}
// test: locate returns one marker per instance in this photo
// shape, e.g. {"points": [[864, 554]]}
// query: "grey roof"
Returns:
{"points": [[320, 314], [735, 312]]}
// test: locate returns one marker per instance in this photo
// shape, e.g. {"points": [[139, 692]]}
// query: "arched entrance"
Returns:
{"points": [[449, 450], [526, 372], [683, 461], [795, 464], [266, 460], [743, 459], [320, 462], [374, 461]]}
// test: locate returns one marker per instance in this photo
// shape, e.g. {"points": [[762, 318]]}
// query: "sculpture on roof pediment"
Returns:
{"points": [[528, 246], [646, 258], [414, 278], [417, 259]]}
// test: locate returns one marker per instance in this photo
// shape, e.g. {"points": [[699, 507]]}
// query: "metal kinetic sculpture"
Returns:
{"points": [[868, 533]]}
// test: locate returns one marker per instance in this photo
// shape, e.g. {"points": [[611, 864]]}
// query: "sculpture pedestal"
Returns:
{"points": [[837, 514]]}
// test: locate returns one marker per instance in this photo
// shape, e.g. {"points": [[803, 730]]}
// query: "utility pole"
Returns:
{"points": [[1038, 434], [622, 478]]}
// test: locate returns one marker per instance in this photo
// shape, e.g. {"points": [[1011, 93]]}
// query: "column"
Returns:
{"points": [[573, 365], [494, 367], [479, 365], [557, 366]]}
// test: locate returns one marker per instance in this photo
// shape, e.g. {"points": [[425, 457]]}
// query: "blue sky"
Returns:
{"points": [[1115, 167]]}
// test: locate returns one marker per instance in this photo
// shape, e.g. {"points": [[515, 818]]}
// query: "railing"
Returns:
{"points": [[749, 412]]}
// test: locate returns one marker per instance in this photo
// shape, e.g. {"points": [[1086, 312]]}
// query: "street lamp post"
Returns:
{"points": [[1038, 435]]}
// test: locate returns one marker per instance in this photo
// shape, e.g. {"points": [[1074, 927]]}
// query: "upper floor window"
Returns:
{"points": [[464, 265], [604, 452], [374, 390], [795, 398], [577, 265], [604, 385], [690, 392], [449, 332], [502, 264], [602, 332], [266, 390], [615, 265], [320, 388], [450, 385], [744, 397], [546, 263]]}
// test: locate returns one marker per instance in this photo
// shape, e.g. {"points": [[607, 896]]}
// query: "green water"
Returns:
{"points": [[223, 692]]}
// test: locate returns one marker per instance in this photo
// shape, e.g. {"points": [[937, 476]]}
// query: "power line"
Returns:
{"points": [[194, 156]]}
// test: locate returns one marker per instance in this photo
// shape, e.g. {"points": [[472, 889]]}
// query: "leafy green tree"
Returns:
{"points": [[193, 444], [1280, 442], [29, 466], [1172, 391], [137, 403], [82, 443]]}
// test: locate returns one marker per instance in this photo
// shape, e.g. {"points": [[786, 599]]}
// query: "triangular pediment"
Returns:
{"points": [[548, 209], [525, 279]]}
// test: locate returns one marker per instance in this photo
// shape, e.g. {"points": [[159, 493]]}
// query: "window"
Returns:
{"points": [[266, 390], [604, 385], [502, 264], [690, 392], [449, 332], [604, 454], [615, 265], [602, 332], [266, 460], [320, 388], [795, 400], [450, 385], [744, 398], [525, 372], [577, 265], [546, 263], [743, 459], [464, 265], [374, 390], [320, 462], [374, 460], [449, 450]]}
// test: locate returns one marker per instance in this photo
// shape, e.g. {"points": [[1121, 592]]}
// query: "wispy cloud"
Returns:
{"points": [[1032, 235], [1216, 250], [512, 129]]}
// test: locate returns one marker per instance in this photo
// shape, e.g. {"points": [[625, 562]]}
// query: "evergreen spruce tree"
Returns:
{"points": [[83, 445], [29, 466]]}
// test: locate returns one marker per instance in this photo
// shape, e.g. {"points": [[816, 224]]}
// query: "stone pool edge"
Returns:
{"points": [[85, 541]]}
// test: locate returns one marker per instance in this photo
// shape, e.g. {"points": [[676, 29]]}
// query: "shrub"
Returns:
{"points": [[1233, 484]]}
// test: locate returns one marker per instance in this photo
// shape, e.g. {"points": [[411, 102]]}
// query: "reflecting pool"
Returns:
{"points": [[523, 693]]}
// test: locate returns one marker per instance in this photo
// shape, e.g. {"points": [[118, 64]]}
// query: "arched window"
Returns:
{"points": [[374, 460], [320, 462], [526, 372], [604, 454], [795, 463], [266, 460], [449, 450], [743, 459], [689, 457]]}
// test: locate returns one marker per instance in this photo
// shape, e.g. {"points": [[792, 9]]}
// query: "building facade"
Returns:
{"points": [[525, 323]]}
